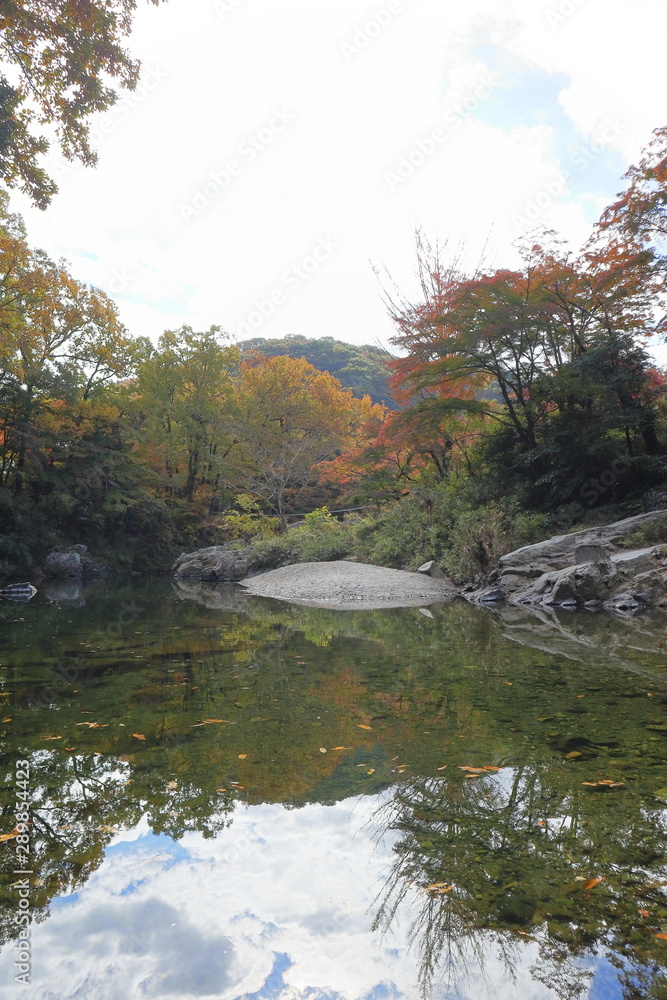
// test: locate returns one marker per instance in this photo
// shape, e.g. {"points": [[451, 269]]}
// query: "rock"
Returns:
{"points": [[558, 552], [63, 564], [81, 549], [655, 500], [578, 584], [591, 553], [19, 591], [216, 563], [431, 568]]}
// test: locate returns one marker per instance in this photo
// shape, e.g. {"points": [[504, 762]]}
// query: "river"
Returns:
{"points": [[231, 797]]}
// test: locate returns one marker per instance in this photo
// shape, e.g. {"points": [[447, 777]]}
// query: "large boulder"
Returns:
{"points": [[588, 567], [216, 563], [63, 564]]}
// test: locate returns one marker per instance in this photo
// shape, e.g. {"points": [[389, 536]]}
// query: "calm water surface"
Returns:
{"points": [[238, 798]]}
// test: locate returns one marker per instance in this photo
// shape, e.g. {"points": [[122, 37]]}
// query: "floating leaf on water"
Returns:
{"points": [[573, 754], [221, 789], [139, 736], [442, 768], [372, 771], [643, 913], [592, 882], [663, 937], [9, 836], [53, 737], [438, 887], [360, 725], [107, 829], [603, 786], [207, 722], [8, 719], [341, 748], [242, 756], [172, 784]]}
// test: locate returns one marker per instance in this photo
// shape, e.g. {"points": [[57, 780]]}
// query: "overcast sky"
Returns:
{"points": [[276, 150]]}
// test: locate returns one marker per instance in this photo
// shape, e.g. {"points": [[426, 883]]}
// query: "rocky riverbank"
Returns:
{"points": [[593, 568], [619, 567]]}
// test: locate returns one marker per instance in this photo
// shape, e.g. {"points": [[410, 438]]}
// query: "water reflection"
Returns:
{"points": [[523, 855], [185, 714]]}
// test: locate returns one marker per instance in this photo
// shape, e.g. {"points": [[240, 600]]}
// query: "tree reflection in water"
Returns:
{"points": [[503, 859]]}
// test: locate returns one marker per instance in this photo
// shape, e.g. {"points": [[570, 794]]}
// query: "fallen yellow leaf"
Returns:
{"points": [[242, 756], [139, 736], [663, 937], [9, 836], [360, 725], [323, 749], [341, 748], [372, 771], [438, 887]]}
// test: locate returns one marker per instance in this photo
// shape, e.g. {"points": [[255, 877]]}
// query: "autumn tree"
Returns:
{"points": [[62, 342], [184, 391], [289, 416], [640, 211], [519, 346], [60, 62]]}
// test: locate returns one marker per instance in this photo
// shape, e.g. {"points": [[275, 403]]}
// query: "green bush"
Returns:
{"points": [[650, 533]]}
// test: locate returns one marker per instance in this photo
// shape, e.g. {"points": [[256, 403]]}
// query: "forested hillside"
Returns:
{"points": [[361, 369]]}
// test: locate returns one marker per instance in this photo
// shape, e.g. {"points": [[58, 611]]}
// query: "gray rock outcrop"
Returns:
{"points": [[64, 564], [216, 563], [72, 564], [586, 568]]}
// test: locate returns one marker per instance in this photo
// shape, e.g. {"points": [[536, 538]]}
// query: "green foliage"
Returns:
{"points": [[247, 523], [650, 533], [321, 540]]}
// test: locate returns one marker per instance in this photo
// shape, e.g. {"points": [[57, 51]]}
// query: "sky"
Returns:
{"points": [[278, 154]]}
